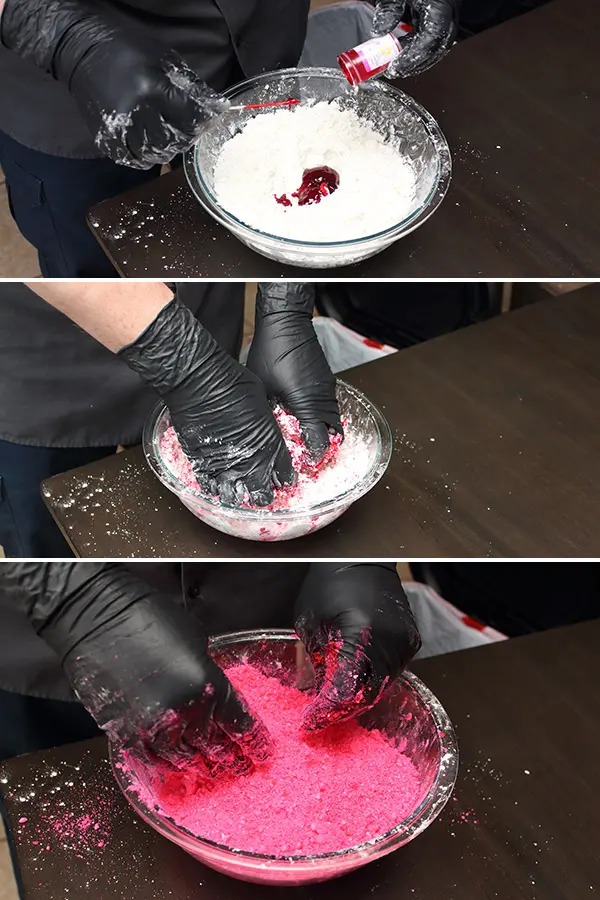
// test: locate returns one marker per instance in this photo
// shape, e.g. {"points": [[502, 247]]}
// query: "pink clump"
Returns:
{"points": [[316, 794], [307, 471], [464, 816]]}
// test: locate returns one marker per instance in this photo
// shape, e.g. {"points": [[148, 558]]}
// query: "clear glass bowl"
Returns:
{"points": [[408, 713], [392, 113], [282, 524]]}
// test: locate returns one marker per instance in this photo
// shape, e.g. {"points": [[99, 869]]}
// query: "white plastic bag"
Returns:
{"points": [[345, 348], [443, 627], [333, 29]]}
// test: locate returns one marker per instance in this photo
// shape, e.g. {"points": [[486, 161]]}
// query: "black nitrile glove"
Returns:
{"points": [[435, 23], [141, 101], [287, 357], [138, 663], [218, 408], [359, 631]]}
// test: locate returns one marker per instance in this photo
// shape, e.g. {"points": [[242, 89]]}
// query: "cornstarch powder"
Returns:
{"points": [[270, 155]]}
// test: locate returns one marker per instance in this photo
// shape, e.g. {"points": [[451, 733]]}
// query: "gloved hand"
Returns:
{"points": [[435, 23], [287, 357], [138, 663], [142, 103], [218, 408], [359, 631]]}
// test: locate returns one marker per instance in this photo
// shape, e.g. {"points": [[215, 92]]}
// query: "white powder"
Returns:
{"points": [[270, 154]]}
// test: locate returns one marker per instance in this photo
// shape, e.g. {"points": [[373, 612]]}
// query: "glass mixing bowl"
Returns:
{"points": [[282, 524], [408, 713], [395, 115]]}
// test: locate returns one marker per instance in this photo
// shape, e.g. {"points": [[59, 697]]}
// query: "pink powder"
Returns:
{"points": [[79, 831], [345, 463], [317, 793]]}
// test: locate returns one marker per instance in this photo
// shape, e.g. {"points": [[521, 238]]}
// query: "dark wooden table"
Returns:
{"points": [[519, 105], [496, 448], [523, 823]]}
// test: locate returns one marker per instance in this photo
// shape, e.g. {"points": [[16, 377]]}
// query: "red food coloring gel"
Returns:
{"points": [[284, 200], [316, 184]]}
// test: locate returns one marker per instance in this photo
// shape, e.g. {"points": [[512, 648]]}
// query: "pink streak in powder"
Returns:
{"points": [[317, 794]]}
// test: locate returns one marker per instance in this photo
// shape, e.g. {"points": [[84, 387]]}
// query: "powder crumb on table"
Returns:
{"points": [[317, 794]]}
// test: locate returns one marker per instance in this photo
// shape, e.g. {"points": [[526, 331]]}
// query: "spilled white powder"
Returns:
{"points": [[268, 157]]}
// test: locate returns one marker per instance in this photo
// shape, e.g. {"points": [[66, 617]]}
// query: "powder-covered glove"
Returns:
{"points": [[359, 631], [287, 357], [218, 408], [141, 101], [435, 23], [138, 663]]}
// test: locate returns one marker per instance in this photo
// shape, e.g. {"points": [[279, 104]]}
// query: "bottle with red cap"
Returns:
{"points": [[373, 57]]}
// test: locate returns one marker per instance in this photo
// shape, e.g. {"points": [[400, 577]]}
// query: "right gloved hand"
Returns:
{"points": [[359, 630], [218, 408], [435, 23], [287, 357], [139, 664], [141, 101]]}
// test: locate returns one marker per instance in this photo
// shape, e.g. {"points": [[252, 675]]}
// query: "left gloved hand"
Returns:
{"points": [[287, 357], [139, 663], [141, 101], [359, 631], [218, 408], [435, 23]]}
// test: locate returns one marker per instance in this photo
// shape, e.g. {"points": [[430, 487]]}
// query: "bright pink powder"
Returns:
{"points": [[315, 795], [176, 460]]}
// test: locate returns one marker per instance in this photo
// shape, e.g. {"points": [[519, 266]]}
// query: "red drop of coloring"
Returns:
{"points": [[316, 183]]}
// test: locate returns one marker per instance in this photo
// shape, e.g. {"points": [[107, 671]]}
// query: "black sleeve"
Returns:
{"points": [[67, 601], [323, 569]]}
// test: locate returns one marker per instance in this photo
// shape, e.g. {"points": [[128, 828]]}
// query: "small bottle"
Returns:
{"points": [[371, 58]]}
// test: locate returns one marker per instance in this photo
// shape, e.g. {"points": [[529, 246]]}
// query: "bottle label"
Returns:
{"points": [[378, 52]]}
